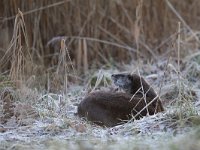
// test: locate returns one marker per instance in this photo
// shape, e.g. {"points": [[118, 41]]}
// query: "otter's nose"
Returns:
{"points": [[113, 76]]}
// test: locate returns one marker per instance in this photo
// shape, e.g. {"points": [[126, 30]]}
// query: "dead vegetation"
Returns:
{"points": [[51, 50], [101, 30]]}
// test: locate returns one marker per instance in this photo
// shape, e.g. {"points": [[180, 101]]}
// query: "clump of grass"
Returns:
{"points": [[18, 54], [184, 103]]}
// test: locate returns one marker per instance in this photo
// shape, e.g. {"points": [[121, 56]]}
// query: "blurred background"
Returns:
{"points": [[95, 33]]}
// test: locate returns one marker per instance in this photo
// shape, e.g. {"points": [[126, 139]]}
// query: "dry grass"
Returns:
{"points": [[58, 128], [51, 63], [100, 29]]}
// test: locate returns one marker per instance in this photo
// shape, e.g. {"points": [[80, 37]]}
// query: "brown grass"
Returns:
{"points": [[100, 29], [49, 47]]}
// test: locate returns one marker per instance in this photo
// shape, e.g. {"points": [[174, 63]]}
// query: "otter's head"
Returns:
{"points": [[130, 83], [133, 84], [123, 81]]}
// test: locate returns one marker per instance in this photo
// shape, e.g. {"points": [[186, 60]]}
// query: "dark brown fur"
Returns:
{"points": [[112, 108], [136, 85]]}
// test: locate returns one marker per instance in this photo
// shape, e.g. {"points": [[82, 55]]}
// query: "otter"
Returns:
{"points": [[113, 108], [136, 85]]}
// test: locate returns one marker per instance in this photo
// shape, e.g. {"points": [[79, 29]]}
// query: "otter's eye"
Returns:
{"points": [[130, 77]]}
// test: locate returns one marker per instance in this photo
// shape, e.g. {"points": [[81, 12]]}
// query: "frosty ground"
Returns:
{"points": [[55, 125]]}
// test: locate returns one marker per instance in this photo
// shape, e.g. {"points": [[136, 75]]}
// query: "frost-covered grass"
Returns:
{"points": [[57, 127], [38, 104]]}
